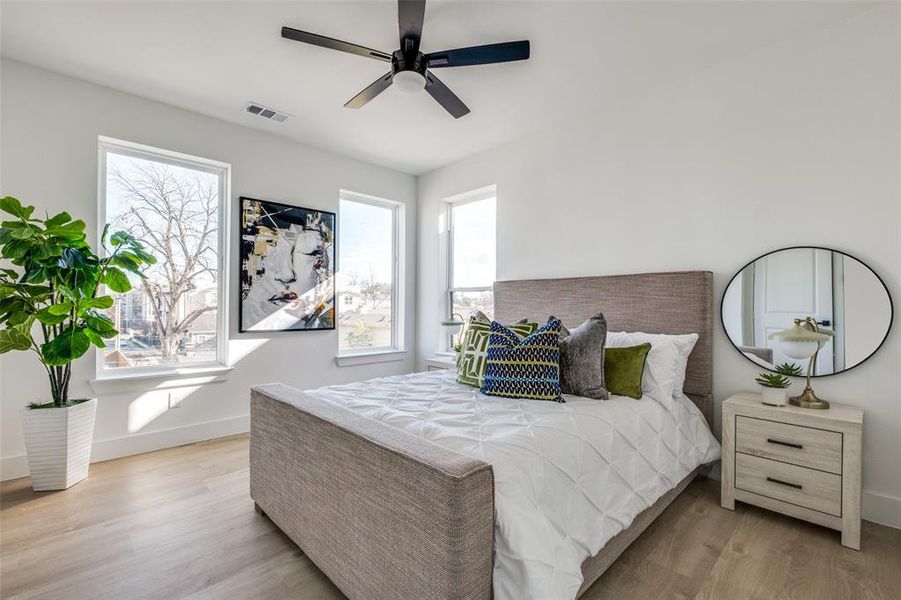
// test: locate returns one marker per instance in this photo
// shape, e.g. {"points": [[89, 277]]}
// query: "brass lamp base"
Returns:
{"points": [[808, 400]]}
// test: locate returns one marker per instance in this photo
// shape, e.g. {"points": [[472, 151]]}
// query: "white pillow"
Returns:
{"points": [[664, 373]]}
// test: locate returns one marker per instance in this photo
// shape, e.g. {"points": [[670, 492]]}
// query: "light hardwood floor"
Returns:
{"points": [[179, 523]]}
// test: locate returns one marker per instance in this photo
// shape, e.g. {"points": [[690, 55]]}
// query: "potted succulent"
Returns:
{"points": [[50, 304], [774, 386]]}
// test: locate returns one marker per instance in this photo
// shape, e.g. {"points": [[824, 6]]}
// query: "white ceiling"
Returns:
{"points": [[213, 57]]}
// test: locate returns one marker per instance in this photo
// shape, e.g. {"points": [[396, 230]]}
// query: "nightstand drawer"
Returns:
{"points": [[790, 483], [803, 446]]}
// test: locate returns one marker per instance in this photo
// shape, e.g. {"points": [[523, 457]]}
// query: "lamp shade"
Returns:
{"points": [[801, 341], [452, 325], [799, 350]]}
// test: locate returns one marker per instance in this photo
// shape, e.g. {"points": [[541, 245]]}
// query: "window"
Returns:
{"points": [[175, 315], [472, 241], [368, 274]]}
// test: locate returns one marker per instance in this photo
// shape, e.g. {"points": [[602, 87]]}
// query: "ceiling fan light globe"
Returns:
{"points": [[409, 82]]}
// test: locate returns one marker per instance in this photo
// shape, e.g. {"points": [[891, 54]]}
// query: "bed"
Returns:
{"points": [[416, 487]]}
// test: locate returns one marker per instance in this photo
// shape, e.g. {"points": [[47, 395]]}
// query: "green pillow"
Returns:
{"points": [[474, 354], [623, 368]]}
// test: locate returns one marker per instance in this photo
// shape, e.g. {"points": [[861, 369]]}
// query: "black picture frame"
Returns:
{"points": [[891, 305], [282, 213]]}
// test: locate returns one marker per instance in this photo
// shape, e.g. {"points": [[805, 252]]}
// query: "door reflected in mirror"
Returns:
{"points": [[841, 293]]}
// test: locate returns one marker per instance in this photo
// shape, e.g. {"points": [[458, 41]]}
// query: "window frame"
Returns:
{"points": [[107, 145], [477, 195], [397, 275]]}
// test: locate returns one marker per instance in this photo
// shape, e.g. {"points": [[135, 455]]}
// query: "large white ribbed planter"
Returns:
{"points": [[58, 444]]}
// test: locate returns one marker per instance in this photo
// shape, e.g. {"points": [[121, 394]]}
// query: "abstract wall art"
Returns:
{"points": [[287, 267]]}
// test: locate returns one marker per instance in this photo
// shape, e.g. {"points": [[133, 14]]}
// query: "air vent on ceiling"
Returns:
{"points": [[265, 112]]}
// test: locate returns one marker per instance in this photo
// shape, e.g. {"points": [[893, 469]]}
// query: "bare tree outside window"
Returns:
{"points": [[170, 315]]}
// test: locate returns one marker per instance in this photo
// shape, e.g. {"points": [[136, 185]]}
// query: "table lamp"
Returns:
{"points": [[453, 325], [801, 342]]}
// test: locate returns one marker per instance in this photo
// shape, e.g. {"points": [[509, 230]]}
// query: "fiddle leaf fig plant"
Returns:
{"points": [[50, 302]]}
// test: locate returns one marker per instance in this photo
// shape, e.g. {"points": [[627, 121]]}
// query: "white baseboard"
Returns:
{"points": [[884, 510], [13, 467]]}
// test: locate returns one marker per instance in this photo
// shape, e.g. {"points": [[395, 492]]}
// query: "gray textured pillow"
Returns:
{"points": [[582, 359]]}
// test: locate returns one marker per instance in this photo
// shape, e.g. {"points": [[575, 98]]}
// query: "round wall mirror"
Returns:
{"points": [[841, 294]]}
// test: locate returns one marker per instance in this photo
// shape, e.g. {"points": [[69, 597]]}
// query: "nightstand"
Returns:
{"points": [[437, 363], [800, 462]]}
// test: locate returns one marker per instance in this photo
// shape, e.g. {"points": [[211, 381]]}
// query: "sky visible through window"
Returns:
{"points": [[475, 234], [365, 275], [365, 233]]}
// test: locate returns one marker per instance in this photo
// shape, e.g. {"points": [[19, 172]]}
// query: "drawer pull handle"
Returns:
{"points": [[781, 443], [797, 486]]}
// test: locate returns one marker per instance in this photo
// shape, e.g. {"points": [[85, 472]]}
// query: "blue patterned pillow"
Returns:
{"points": [[524, 368]]}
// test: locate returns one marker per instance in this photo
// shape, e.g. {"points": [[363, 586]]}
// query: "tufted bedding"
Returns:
{"points": [[568, 477]]}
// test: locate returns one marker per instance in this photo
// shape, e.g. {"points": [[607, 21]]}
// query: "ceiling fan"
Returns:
{"points": [[410, 68]]}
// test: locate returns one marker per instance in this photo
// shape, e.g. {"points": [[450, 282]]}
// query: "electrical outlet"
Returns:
{"points": [[172, 404]]}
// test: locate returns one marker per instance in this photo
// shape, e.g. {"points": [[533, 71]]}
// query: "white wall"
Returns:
{"points": [[866, 310], [794, 144], [50, 125]]}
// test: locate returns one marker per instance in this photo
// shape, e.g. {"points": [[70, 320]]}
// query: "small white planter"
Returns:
{"points": [[774, 396], [58, 444]]}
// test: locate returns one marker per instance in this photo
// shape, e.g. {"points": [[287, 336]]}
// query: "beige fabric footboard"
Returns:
{"points": [[382, 513]]}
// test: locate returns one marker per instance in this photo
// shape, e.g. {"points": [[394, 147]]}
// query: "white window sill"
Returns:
{"points": [[170, 378], [365, 358]]}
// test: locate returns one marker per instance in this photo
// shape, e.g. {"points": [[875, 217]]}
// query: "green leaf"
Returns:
{"points": [[48, 318], [95, 338], [72, 258], [35, 275], [101, 302], [16, 249], [101, 326], [66, 347], [122, 237], [23, 233], [11, 205], [116, 280], [18, 317], [60, 309], [57, 220], [11, 304], [13, 339], [35, 291], [128, 261]]}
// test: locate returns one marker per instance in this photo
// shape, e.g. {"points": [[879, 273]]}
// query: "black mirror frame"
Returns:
{"points": [[891, 305]]}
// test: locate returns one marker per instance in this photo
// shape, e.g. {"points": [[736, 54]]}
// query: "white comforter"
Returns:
{"points": [[568, 477]]}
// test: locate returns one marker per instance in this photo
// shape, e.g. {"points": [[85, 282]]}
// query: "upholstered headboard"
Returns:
{"points": [[677, 302]]}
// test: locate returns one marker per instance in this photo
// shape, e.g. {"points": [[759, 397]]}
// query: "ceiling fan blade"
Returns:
{"points": [[326, 42], [479, 55], [410, 15], [445, 97], [374, 89]]}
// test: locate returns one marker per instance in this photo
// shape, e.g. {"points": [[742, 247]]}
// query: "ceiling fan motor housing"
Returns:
{"points": [[402, 62], [408, 75]]}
